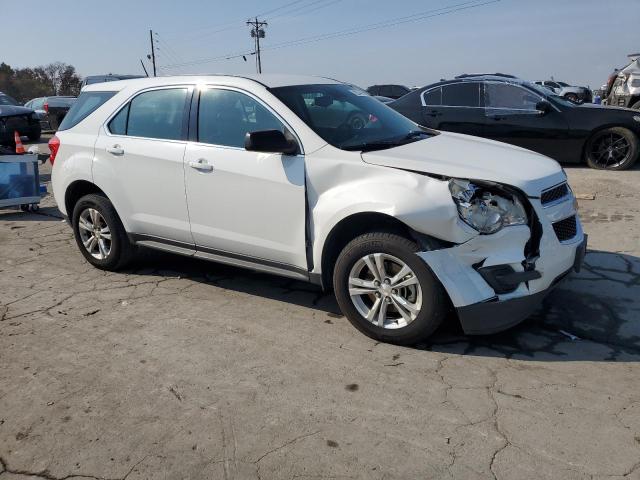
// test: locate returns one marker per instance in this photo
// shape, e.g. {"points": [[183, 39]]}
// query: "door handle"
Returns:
{"points": [[201, 165], [115, 150]]}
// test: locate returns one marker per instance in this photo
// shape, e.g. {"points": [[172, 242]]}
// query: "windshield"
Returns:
{"points": [[7, 100], [348, 117], [547, 93]]}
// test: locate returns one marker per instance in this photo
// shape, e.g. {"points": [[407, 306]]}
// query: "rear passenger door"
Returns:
{"points": [[139, 163], [454, 107]]}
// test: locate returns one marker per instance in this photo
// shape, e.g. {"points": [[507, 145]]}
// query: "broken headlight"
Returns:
{"points": [[486, 209]]}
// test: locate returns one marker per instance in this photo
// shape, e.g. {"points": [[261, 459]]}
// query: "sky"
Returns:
{"points": [[576, 41]]}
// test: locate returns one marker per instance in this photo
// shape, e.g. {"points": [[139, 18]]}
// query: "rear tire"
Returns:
{"points": [[99, 233], [614, 148], [414, 303]]}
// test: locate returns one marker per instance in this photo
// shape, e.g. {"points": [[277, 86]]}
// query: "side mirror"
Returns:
{"points": [[271, 141], [543, 107]]}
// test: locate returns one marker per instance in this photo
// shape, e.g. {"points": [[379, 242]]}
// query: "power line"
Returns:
{"points": [[226, 26], [365, 28], [385, 24]]}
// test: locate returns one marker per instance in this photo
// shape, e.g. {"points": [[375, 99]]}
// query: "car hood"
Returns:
{"points": [[9, 110], [463, 156]]}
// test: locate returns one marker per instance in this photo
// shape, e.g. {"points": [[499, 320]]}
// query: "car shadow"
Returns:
{"points": [[43, 214], [593, 315]]}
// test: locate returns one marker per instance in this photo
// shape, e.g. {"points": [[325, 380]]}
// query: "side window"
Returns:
{"points": [[85, 105], [385, 91], [511, 97], [155, 114], [398, 91], [461, 95], [118, 124], [432, 97], [226, 116]]}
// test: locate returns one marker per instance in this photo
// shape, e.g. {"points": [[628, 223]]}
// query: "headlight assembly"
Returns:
{"points": [[486, 209]]}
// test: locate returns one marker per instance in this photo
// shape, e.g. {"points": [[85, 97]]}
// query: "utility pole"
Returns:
{"points": [[153, 53], [257, 32]]}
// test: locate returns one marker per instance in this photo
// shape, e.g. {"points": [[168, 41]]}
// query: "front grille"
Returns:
{"points": [[554, 194], [566, 229]]}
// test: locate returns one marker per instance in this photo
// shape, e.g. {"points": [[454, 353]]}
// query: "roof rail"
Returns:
{"points": [[471, 75]]}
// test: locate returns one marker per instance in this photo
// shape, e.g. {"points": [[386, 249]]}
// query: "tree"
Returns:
{"points": [[57, 78]]}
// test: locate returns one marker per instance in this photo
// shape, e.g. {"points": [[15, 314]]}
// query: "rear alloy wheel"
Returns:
{"points": [[99, 233], [386, 290], [612, 149]]}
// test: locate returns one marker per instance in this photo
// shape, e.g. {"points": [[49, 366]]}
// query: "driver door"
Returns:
{"points": [[244, 205], [511, 117]]}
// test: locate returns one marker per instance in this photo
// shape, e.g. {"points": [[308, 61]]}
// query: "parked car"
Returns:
{"points": [[51, 110], [91, 79], [14, 117], [383, 99], [401, 221], [527, 115], [389, 91], [625, 89], [569, 92]]}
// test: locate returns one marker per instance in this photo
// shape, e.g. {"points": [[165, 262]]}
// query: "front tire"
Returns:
{"points": [[614, 148], [387, 291], [100, 234]]}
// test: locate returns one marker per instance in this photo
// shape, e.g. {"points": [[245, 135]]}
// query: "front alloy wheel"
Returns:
{"points": [[386, 290]]}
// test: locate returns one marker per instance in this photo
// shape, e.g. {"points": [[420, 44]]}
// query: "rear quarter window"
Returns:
{"points": [[85, 105]]}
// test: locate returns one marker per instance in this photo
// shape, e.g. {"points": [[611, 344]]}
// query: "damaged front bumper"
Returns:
{"points": [[490, 282]]}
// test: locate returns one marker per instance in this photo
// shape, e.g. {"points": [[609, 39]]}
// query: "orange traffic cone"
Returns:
{"points": [[19, 146]]}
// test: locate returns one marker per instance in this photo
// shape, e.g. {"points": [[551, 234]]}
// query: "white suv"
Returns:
{"points": [[316, 180]]}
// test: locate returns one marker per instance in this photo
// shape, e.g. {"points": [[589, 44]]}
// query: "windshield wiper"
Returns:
{"points": [[414, 134], [378, 145]]}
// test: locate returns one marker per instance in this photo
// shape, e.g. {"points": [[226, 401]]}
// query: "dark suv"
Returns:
{"points": [[389, 91], [16, 118]]}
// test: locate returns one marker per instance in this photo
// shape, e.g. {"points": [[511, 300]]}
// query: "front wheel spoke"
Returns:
{"points": [[382, 271], [382, 313], [374, 310], [88, 241], [406, 305], [94, 216], [412, 280], [404, 271], [401, 310], [83, 224], [92, 244], [370, 262], [103, 248]]}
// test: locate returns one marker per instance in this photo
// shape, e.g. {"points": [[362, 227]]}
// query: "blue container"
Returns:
{"points": [[19, 180]]}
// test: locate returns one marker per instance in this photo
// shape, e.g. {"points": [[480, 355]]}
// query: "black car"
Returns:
{"points": [[51, 110], [15, 118], [389, 91], [506, 109]]}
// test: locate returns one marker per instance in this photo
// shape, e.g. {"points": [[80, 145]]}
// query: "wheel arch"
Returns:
{"points": [[76, 190], [359, 223]]}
